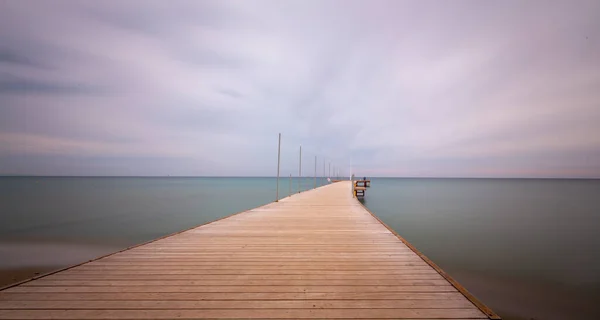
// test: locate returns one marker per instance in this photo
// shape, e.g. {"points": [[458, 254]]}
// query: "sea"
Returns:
{"points": [[527, 248]]}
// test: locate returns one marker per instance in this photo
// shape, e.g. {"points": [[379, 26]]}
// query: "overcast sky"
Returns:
{"points": [[391, 88]]}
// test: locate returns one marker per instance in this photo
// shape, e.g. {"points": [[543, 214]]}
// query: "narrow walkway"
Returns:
{"points": [[318, 254]]}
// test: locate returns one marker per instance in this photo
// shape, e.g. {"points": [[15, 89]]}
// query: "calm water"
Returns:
{"points": [[49, 222], [527, 248]]}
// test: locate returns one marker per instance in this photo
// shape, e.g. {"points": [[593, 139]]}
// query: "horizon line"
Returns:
{"points": [[287, 177]]}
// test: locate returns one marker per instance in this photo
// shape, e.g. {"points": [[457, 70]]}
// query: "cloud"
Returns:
{"points": [[9, 57], [15, 85], [390, 88]]}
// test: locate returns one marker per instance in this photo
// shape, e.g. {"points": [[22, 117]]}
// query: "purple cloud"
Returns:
{"points": [[388, 88]]}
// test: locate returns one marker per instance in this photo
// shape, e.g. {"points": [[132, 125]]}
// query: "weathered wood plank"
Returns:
{"points": [[390, 265], [269, 282], [160, 276], [244, 314], [347, 288], [244, 272], [242, 304], [99, 296]]}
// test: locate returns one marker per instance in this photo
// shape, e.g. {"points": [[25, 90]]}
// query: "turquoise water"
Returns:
{"points": [[125, 211], [52, 222], [527, 248]]}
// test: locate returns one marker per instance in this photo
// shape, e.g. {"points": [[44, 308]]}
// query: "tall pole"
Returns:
{"points": [[329, 175], [278, 162], [315, 172], [300, 171], [290, 184], [323, 179]]}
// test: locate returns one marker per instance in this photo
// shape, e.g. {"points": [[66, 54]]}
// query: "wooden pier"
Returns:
{"points": [[317, 254]]}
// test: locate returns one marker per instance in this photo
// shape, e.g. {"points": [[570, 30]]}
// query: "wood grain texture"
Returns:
{"points": [[318, 254]]}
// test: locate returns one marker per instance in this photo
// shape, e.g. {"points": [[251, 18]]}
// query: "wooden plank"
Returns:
{"points": [[261, 262], [346, 260], [256, 289], [243, 282], [242, 304], [268, 259], [99, 296], [276, 271], [255, 272], [224, 267], [161, 276], [259, 249], [274, 256], [245, 314]]}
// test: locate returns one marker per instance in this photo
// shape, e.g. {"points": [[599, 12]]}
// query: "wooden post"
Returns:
{"points": [[315, 172], [300, 172], [278, 162]]}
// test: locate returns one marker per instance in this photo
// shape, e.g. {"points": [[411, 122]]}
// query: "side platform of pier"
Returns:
{"points": [[316, 254]]}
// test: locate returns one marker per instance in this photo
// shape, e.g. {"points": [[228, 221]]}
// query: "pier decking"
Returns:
{"points": [[317, 254]]}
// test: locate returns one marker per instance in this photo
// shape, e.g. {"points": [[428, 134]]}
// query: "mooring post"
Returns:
{"points": [[315, 172], [278, 162], [300, 171], [323, 179]]}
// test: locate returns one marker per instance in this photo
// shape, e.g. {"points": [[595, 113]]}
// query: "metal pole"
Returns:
{"points": [[315, 172], [329, 175], [290, 184], [300, 171], [323, 179], [278, 162]]}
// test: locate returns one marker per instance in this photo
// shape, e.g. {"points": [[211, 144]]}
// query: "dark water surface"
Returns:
{"points": [[527, 248]]}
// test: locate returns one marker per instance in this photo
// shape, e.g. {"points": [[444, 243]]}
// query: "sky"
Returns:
{"points": [[377, 88]]}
